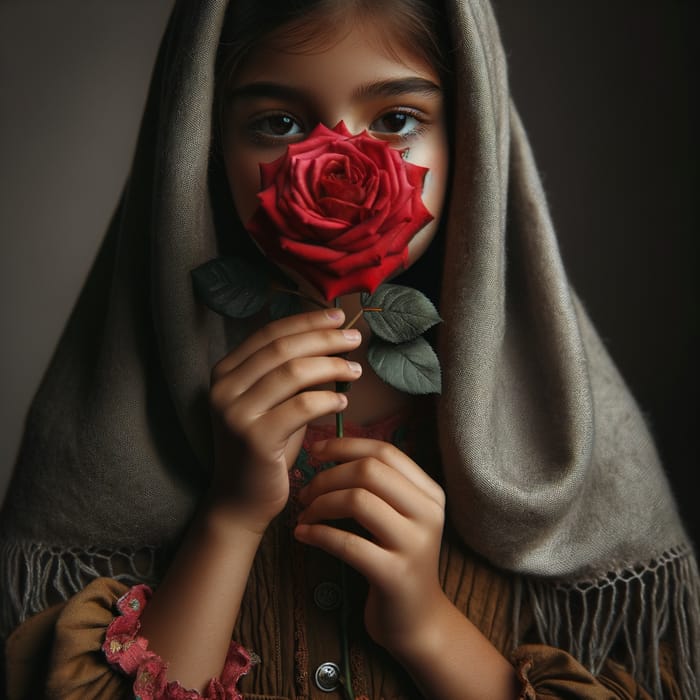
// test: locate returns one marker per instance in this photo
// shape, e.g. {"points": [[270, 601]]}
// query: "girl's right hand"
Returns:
{"points": [[262, 396]]}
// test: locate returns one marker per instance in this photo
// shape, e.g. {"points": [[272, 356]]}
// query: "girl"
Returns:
{"points": [[514, 538]]}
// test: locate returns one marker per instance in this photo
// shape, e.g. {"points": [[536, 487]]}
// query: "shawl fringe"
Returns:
{"points": [[628, 612], [34, 576]]}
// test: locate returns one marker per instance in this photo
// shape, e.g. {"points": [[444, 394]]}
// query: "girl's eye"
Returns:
{"points": [[275, 126], [402, 124]]}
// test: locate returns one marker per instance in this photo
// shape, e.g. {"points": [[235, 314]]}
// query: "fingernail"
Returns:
{"points": [[335, 314], [354, 367], [352, 334]]}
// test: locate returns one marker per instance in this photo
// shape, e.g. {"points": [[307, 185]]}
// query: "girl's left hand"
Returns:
{"points": [[403, 511]]}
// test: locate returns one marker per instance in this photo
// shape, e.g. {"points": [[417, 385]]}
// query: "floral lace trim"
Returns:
{"points": [[128, 652]]}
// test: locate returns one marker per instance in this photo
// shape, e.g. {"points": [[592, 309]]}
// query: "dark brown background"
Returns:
{"points": [[604, 88]]}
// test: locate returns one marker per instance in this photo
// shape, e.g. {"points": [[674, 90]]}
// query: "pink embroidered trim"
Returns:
{"points": [[382, 429], [128, 652]]}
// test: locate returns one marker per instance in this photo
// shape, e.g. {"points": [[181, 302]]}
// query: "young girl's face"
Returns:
{"points": [[278, 96]]}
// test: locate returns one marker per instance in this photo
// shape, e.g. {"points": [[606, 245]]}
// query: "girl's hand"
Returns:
{"points": [[262, 398], [402, 509]]}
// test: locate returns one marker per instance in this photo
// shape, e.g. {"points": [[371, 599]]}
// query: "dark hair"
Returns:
{"points": [[421, 24]]}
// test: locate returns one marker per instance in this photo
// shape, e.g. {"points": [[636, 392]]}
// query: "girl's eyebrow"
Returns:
{"points": [[381, 88], [399, 86]]}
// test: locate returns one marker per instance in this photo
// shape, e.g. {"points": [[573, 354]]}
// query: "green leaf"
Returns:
{"points": [[283, 304], [405, 313], [412, 367], [232, 287]]}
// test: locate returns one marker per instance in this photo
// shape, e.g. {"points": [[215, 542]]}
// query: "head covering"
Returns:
{"points": [[549, 468]]}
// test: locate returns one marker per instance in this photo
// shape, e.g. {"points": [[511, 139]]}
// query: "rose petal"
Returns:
{"points": [[340, 210]]}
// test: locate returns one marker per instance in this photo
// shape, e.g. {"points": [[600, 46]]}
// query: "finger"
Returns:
{"points": [[272, 429], [300, 361], [277, 354], [347, 449], [291, 325], [287, 381], [368, 510], [364, 556], [387, 483]]}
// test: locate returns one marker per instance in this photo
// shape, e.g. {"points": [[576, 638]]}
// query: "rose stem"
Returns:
{"points": [[339, 387], [351, 323], [345, 610], [277, 288]]}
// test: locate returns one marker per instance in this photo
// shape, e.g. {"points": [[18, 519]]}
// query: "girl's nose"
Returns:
{"points": [[353, 125]]}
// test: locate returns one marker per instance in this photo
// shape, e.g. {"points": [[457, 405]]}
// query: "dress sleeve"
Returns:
{"points": [[547, 673], [57, 654], [81, 650]]}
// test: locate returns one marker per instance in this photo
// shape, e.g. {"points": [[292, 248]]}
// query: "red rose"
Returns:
{"points": [[339, 210]]}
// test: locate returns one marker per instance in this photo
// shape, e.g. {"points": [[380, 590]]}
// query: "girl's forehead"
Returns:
{"points": [[348, 47], [317, 31]]}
